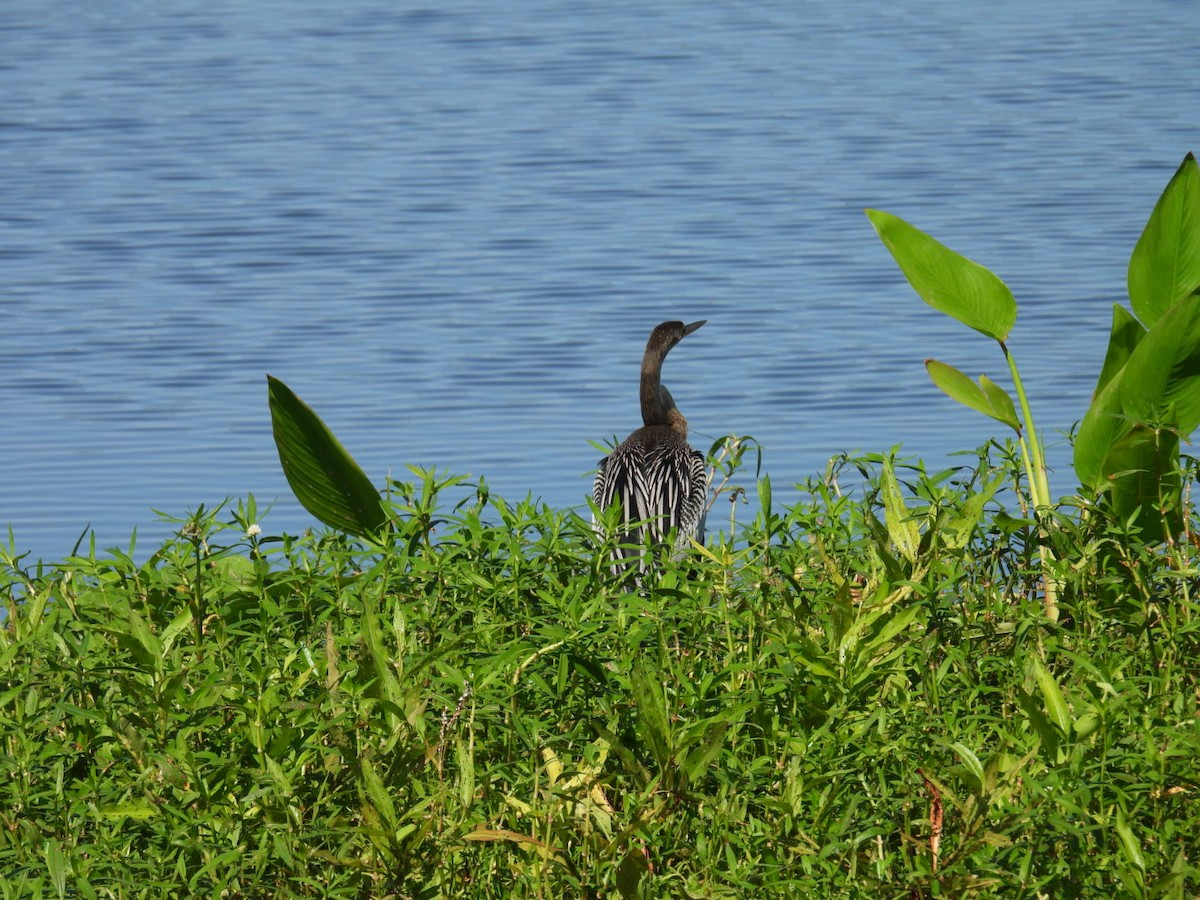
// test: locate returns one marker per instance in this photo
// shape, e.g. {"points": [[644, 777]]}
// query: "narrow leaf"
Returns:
{"points": [[324, 477], [948, 281], [1056, 707], [972, 764], [652, 714], [902, 530], [377, 794], [1046, 733], [1130, 845], [1165, 265]]}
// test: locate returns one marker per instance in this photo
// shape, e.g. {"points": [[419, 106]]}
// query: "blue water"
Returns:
{"points": [[450, 229]]}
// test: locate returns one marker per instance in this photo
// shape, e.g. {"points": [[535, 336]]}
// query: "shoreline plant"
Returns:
{"points": [[897, 691], [1147, 396], [861, 696]]}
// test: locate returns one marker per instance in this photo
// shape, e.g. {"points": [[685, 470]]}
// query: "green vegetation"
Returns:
{"points": [[1147, 396], [861, 697], [902, 689]]}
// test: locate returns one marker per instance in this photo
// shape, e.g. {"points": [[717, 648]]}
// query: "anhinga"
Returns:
{"points": [[659, 480]]}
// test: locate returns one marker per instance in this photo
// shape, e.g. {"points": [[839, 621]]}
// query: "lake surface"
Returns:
{"points": [[450, 229]]}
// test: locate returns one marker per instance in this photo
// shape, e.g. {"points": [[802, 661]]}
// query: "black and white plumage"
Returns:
{"points": [[660, 482]]}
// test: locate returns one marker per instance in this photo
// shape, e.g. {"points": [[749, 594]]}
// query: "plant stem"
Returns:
{"points": [[1034, 457]]}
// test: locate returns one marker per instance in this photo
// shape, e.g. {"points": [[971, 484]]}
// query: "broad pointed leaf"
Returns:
{"points": [[1102, 425], [948, 281], [1164, 371], [1126, 333], [986, 397], [1159, 385], [1165, 265], [1142, 470], [324, 477], [1003, 409]]}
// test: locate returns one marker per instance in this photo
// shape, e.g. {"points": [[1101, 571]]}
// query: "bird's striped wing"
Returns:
{"points": [[655, 484]]}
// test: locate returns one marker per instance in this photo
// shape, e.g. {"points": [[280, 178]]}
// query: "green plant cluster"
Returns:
{"points": [[859, 697], [1147, 396]]}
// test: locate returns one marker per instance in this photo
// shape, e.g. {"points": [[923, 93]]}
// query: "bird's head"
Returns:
{"points": [[668, 334]]}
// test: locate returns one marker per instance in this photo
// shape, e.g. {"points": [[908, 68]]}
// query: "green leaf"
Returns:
{"points": [[1165, 265], [1143, 478], [972, 764], [324, 477], [1125, 335], [948, 281], [1159, 385], [1055, 704], [1130, 845], [1102, 425], [986, 397], [1161, 380], [652, 714], [378, 796], [700, 757], [381, 660], [1046, 732], [634, 865], [902, 529]]}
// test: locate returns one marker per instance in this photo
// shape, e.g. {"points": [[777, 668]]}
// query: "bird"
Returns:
{"points": [[660, 482]]}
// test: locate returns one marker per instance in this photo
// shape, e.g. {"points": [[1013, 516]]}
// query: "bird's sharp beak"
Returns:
{"points": [[688, 329]]}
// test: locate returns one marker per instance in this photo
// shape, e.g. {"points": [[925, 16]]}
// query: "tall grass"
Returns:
{"points": [[859, 697]]}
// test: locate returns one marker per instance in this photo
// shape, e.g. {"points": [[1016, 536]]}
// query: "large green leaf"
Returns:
{"points": [[948, 281], [1126, 333], [1165, 265], [1142, 470], [1159, 385], [986, 397], [324, 477], [1163, 371], [1102, 425]]}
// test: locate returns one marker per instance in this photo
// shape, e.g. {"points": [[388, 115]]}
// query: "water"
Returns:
{"points": [[451, 228]]}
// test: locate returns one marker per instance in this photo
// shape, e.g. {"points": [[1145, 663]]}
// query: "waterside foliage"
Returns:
{"points": [[861, 696]]}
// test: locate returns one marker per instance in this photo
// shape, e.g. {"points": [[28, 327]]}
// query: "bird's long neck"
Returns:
{"points": [[658, 406], [654, 404]]}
